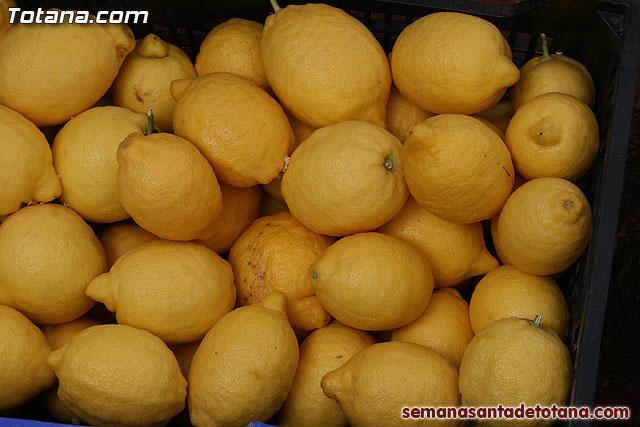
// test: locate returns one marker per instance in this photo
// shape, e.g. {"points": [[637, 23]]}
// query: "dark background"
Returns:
{"points": [[619, 371]]}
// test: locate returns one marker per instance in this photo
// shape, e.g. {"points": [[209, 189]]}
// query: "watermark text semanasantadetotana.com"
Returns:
{"points": [[54, 16], [518, 412]]}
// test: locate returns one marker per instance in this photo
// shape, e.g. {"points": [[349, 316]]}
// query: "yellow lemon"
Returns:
{"points": [[449, 62], [233, 47], [456, 252], [457, 168], [375, 385], [555, 135], [184, 355], [145, 78], [59, 336], [345, 178], [23, 360], [48, 256], [26, 163], [119, 375], [301, 132], [325, 350], [175, 290], [544, 226], [274, 254], [372, 281], [509, 292], [492, 126], [325, 66], [117, 239], [80, 63], [5, 15], [553, 73], [270, 205], [444, 326], [244, 366], [219, 113], [403, 114], [167, 186], [500, 114], [514, 361], [240, 207], [84, 155]]}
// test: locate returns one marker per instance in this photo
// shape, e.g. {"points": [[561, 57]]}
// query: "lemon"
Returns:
{"points": [[372, 281], [274, 254], [48, 256], [492, 126], [552, 73], [270, 205], [444, 326], [84, 155], [59, 336], [509, 292], [457, 168], [119, 375], [167, 186], [553, 134], [500, 114], [514, 361], [301, 132], [449, 62], [403, 114], [240, 207], [5, 15], [184, 355], [233, 47], [324, 350], [175, 290], [26, 164], [117, 239], [77, 65], [380, 380], [345, 178], [237, 126], [325, 66], [23, 360], [144, 80], [544, 226], [456, 252], [244, 366]]}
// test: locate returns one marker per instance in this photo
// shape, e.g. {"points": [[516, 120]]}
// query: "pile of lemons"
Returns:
{"points": [[286, 236]]}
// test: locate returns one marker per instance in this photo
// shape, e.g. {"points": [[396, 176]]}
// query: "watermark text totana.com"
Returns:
{"points": [[518, 412], [52, 16]]}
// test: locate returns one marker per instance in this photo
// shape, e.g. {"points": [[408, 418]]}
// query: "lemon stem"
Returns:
{"points": [[389, 163], [275, 6], [545, 48], [568, 204], [537, 319], [148, 129], [314, 274]]}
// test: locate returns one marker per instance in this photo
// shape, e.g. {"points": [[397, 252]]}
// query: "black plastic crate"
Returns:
{"points": [[603, 35]]}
